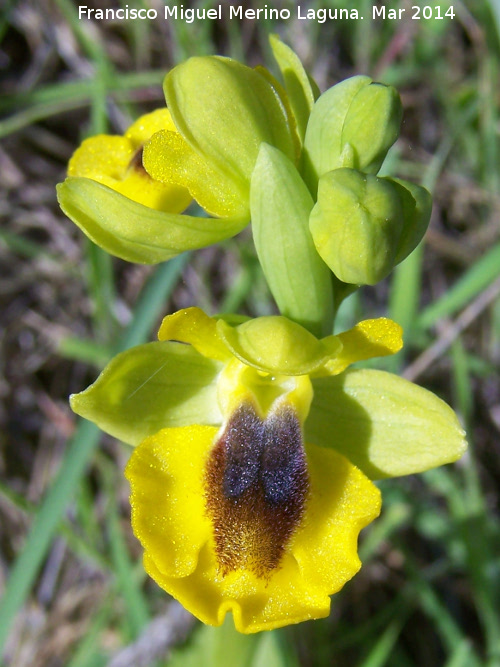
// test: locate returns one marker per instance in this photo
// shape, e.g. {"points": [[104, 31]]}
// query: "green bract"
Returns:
{"points": [[353, 124], [297, 276], [363, 225], [301, 89]]}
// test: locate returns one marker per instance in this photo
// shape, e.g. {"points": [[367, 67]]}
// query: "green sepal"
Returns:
{"points": [[280, 205], [297, 83], [356, 225], [151, 387], [353, 124], [417, 209], [323, 145], [225, 110], [385, 425], [277, 345], [372, 125], [135, 232]]}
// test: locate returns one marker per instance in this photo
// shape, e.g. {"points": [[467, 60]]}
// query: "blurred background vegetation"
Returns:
{"points": [[73, 590]]}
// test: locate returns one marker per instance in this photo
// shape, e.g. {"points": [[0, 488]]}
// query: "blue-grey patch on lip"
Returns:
{"points": [[243, 444], [256, 484], [282, 462]]}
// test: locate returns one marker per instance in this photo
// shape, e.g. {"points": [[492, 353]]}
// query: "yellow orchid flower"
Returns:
{"points": [[116, 161], [251, 478], [127, 193], [120, 206]]}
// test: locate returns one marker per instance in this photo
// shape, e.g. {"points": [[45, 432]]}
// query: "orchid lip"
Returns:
{"points": [[256, 488]]}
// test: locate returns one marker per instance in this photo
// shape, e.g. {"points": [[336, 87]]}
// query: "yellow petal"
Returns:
{"points": [[170, 159], [369, 338], [169, 517], [343, 501], [140, 187], [104, 158], [193, 326], [145, 126], [117, 162], [168, 507]]}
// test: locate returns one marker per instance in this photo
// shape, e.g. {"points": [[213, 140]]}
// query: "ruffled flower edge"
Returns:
{"points": [[167, 473]]}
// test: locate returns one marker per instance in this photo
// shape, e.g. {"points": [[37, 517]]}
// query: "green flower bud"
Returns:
{"points": [[363, 225], [353, 124]]}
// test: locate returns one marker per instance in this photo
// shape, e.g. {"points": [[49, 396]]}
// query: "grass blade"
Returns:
{"points": [[79, 452]]}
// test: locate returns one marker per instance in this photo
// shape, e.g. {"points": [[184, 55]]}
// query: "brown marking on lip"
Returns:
{"points": [[136, 162], [256, 485]]}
